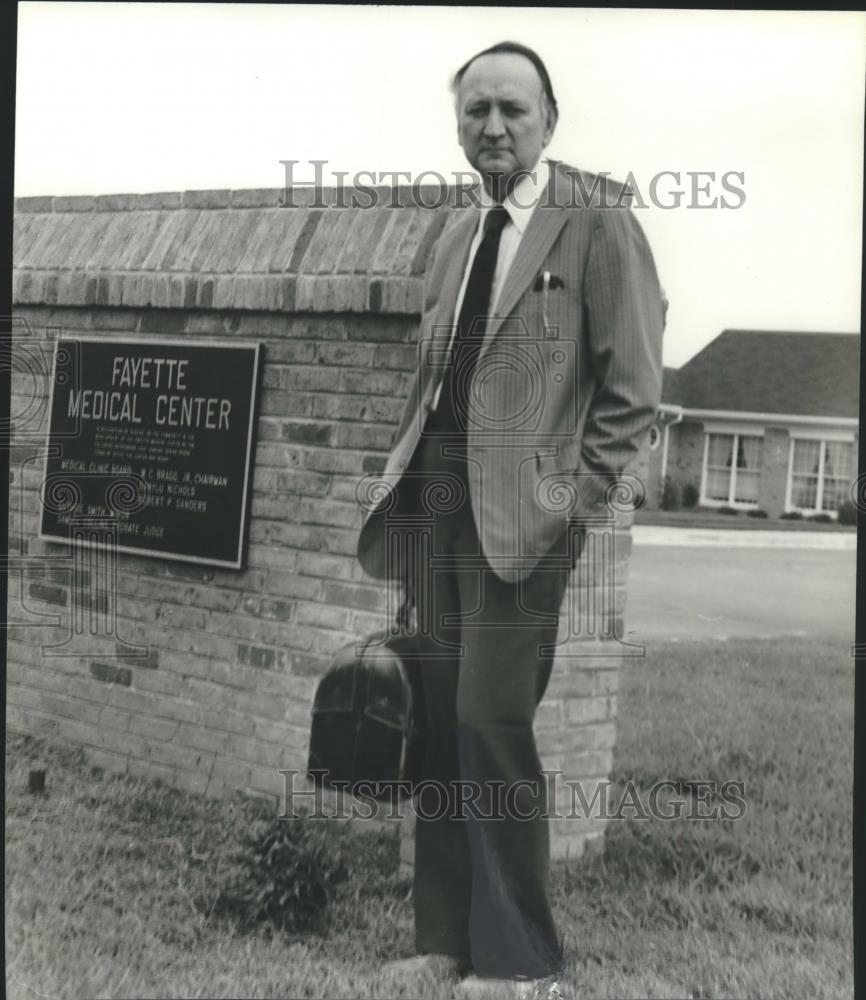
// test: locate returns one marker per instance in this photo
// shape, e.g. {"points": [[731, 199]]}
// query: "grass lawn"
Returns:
{"points": [[112, 883]]}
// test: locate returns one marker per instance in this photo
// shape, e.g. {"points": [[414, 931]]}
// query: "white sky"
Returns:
{"points": [[121, 97]]}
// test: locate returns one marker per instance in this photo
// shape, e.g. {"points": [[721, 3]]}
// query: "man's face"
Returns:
{"points": [[503, 120]]}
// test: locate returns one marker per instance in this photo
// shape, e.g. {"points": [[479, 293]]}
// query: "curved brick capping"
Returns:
{"points": [[222, 701], [224, 250]]}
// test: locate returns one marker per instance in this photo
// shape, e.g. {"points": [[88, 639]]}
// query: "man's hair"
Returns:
{"points": [[514, 48]]}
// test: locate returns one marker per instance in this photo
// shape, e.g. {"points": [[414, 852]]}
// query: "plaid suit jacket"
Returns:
{"points": [[567, 380]]}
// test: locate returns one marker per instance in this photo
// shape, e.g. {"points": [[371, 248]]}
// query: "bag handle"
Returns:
{"points": [[403, 618]]}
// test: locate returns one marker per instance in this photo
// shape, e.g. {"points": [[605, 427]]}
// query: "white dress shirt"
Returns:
{"points": [[520, 203]]}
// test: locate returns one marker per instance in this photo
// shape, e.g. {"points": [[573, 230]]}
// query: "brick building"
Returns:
{"points": [[785, 404], [220, 700]]}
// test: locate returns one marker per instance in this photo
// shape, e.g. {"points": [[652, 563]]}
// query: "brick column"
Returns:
{"points": [[576, 723], [774, 470]]}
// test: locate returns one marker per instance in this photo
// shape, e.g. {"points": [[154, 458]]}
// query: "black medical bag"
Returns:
{"points": [[368, 718]]}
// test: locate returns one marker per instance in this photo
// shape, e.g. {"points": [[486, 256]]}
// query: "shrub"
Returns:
{"points": [[691, 495], [757, 512], [847, 512], [791, 515], [728, 510], [822, 518], [670, 495], [285, 875]]}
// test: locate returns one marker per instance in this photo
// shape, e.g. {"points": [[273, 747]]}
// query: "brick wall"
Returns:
{"points": [[686, 453], [684, 461], [654, 468], [774, 470], [223, 698], [220, 698]]}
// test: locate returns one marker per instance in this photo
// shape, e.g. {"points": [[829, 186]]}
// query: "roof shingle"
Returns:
{"points": [[771, 371]]}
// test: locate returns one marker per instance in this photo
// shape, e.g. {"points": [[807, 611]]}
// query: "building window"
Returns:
{"points": [[728, 479], [655, 437], [820, 474]]}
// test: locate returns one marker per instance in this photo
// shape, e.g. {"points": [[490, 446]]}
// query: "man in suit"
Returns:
{"points": [[539, 374]]}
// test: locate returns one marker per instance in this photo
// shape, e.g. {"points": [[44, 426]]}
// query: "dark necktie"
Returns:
{"points": [[453, 408]]}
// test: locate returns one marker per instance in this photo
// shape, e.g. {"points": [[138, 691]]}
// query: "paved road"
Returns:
{"points": [[650, 534], [712, 591]]}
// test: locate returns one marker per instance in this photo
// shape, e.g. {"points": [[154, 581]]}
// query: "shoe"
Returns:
{"points": [[429, 966], [476, 988]]}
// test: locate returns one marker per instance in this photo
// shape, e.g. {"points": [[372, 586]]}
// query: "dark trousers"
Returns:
{"points": [[481, 840]]}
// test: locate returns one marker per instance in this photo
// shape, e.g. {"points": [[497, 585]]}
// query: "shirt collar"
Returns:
{"points": [[521, 202]]}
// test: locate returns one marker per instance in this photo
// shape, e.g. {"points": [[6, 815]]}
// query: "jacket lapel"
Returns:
{"points": [[453, 251], [544, 226]]}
